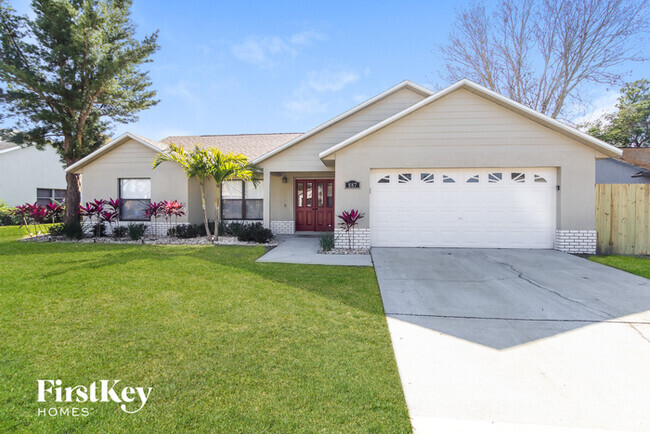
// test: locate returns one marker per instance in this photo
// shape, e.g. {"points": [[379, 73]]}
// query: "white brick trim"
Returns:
{"points": [[360, 238], [575, 241], [279, 227]]}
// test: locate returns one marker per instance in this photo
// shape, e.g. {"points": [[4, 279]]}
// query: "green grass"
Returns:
{"points": [[226, 343], [631, 264]]}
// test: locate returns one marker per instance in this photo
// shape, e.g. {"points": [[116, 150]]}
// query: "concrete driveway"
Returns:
{"points": [[496, 340]]}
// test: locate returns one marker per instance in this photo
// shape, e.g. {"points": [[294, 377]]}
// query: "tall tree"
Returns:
{"points": [[541, 53], [227, 167], [196, 164], [71, 72], [630, 124]]}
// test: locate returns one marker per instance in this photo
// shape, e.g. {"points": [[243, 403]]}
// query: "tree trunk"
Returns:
{"points": [[72, 197], [217, 211], [205, 213]]}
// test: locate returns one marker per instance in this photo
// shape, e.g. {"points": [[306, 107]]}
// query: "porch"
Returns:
{"points": [[299, 202]]}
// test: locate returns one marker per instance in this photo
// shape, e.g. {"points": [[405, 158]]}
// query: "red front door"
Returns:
{"points": [[315, 205]]}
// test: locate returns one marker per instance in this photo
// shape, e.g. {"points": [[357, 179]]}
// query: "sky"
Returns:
{"points": [[234, 67]]}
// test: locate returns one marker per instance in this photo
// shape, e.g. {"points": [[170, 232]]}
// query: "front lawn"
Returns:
{"points": [[226, 343], [631, 264]]}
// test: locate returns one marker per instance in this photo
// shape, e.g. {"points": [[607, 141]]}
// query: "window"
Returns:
{"points": [[495, 177], [384, 180], [403, 178], [540, 179], [47, 195], [135, 194], [518, 177], [427, 178], [447, 179], [472, 179], [330, 194], [243, 201]]}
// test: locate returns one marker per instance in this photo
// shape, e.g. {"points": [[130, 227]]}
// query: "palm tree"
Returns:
{"points": [[227, 167], [196, 164]]}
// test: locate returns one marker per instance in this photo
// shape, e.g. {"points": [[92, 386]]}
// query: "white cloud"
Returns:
{"points": [[266, 51], [606, 103], [306, 38], [328, 81], [358, 99], [307, 98], [302, 106], [185, 91]]}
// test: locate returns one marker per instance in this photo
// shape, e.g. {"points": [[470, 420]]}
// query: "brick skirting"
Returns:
{"points": [[575, 241], [360, 238], [282, 227]]}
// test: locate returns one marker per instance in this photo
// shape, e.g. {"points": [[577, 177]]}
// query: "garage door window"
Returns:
{"points": [[518, 177], [495, 177], [540, 179], [447, 179], [404, 178], [427, 178], [472, 179], [384, 180]]}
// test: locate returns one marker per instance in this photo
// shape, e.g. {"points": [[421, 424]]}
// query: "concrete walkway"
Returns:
{"points": [[304, 250], [517, 341]]}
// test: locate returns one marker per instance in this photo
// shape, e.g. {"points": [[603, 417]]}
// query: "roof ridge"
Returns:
{"points": [[232, 135]]}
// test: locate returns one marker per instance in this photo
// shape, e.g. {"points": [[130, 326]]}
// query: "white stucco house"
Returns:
{"points": [[462, 167], [30, 175]]}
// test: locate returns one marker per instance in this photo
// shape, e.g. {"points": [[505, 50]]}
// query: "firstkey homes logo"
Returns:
{"points": [[130, 399]]}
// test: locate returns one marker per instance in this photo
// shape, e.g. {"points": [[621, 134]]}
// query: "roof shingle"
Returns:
{"points": [[639, 157], [251, 145]]}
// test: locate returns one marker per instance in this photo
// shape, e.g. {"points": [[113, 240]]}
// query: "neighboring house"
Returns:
{"points": [[633, 167], [30, 175], [462, 167]]}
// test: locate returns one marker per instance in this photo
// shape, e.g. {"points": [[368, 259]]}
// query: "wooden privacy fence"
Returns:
{"points": [[623, 219]]}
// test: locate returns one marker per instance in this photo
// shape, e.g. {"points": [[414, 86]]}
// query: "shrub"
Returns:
{"points": [[120, 232], [185, 231], [326, 242], [255, 232], [69, 230], [6, 215], [57, 229], [99, 229], [234, 229], [136, 230], [348, 221]]}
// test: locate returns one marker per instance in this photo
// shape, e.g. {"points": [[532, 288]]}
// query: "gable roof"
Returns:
{"points": [[9, 146], [490, 95], [639, 157], [251, 145], [151, 144], [406, 84]]}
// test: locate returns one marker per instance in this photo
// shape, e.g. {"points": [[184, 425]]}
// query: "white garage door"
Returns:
{"points": [[509, 208]]}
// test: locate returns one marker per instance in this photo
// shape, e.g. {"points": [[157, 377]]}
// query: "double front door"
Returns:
{"points": [[314, 205]]}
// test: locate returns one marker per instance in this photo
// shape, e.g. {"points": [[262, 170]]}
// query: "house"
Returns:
{"points": [[30, 175], [462, 167], [633, 167]]}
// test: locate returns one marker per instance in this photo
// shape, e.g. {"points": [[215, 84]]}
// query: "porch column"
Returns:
{"points": [[267, 198]]}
